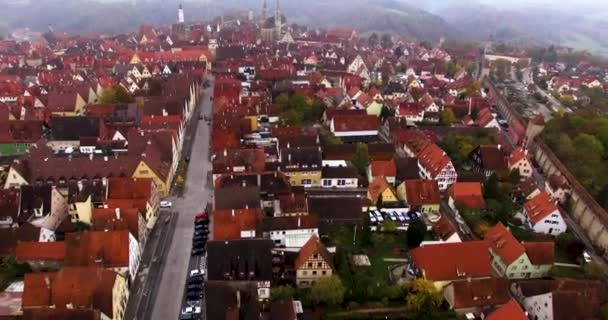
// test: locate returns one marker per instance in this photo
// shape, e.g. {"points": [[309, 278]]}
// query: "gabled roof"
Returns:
{"points": [[109, 249], [422, 192], [516, 155], [244, 259], [539, 207], [355, 123], [383, 168], [228, 224], [291, 223], [540, 253], [377, 187], [467, 194], [453, 261], [129, 188], [480, 292], [492, 157], [313, 246], [433, 158], [248, 197], [443, 228], [60, 314], [28, 251], [509, 311], [504, 244], [117, 219]]}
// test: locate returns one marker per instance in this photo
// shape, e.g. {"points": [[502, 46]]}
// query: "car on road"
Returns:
{"points": [[189, 316], [195, 310], [198, 251], [201, 226], [194, 296], [201, 215], [197, 272], [194, 287], [201, 231], [199, 242], [586, 257], [196, 280], [166, 204]]}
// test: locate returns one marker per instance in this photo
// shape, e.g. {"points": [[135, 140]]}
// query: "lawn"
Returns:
{"points": [[568, 272]]}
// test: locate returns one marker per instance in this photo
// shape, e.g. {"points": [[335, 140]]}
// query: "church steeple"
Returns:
{"points": [[278, 21], [264, 11], [180, 14]]}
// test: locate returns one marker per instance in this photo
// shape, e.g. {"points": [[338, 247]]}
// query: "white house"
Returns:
{"points": [[291, 232], [557, 187], [339, 177], [434, 164], [543, 216], [518, 160]]}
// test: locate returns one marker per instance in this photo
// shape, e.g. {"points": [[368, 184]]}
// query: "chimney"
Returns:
{"points": [[105, 158], [244, 183], [299, 221], [225, 152], [117, 211], [91, 157], [233, 212]]}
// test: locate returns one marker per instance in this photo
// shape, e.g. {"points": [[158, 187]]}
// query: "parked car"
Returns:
{"points": [[199, 242], [201, 215], [194, 296], [201, 226], [201, 231], [194, 287], [198, 251], [189, 316], [586, 257], [197, 272], [196, 280], [195, 310], [166, 204]]}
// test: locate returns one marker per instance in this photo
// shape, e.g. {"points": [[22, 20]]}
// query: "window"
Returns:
{"points": [[324, 272], [144, 171], [314, 272], [310, 264], [304, 273], [306, 181], [327, 183], [316, 256], [320, 265], [341, 182]]}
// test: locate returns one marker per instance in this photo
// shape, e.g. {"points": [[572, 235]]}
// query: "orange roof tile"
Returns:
{"points": [[355, 123], [313, 246], [510, 311], [109, 249], [504, 244], [433, 158], [422, 192], [515, 156], [480, 292], [228, 224], [451, 261], [540, 253], [27, 251], [443, 228], [117, 219], [129, 188], [468, 194], [384, 168], [375, 189], [539, 207]]}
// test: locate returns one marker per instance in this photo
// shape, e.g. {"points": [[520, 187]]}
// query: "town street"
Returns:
{"points": [[195, 197]]}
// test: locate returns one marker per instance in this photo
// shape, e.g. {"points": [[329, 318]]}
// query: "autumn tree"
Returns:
{"points": [[361, 158], [115, 94], [423, 300], [415, 233], [328, 291], [282, 292], [447, 117]]}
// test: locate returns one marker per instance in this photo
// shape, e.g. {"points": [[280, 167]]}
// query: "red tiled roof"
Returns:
{"points": [[504, 244], [452, 261], [129, 188], [480, 293], [443, 228], [117, 219], [540, 253], [355, 123], [375, 189], [27, 251], [468, 194], [433, 158], [384, 168], [515, 156], [109, 249], [422, 192], [228, 224], [539, 207], [510, 311], [313, 246]]}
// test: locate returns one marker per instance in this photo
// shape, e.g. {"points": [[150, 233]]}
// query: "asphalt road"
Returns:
{"points": [[195, 197]]}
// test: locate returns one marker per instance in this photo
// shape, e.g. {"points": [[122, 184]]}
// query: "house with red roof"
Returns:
{"points": [[384, 168], [139, 193], [558, 188], [516, 260], [313, 262], [474, 296], [467, 195], [509, 311], [355, 128], [445, 263], [291, 231], [41, 255], [411, 111], [543, 216], [518, 160], [421, 195], [435, 164], [235, 224]]}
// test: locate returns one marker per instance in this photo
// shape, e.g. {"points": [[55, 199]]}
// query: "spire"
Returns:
{"points": [[264, 11], [277, 21], [180, 14]]}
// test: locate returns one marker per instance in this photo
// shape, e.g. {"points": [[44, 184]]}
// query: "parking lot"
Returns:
{"points": [[402, 217]]}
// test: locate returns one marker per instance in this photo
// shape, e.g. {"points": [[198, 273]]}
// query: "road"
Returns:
{"points": [[462, 228], [556, 105], [195, 197]]}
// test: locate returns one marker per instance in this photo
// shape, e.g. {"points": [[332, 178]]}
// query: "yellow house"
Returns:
{"points": [[302, 165], [144, 171], [381, 189], [66, 104]]}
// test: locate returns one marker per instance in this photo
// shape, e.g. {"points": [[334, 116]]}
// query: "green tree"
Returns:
{"points": [[366, 232], [116, 94], [415, 233], [473, 89], [361, 158], [282, 292], [291, 117], [604, 311], [595, 269], [14, 268], [423, 301], [328, 291], [451, 68], [386, 41], [514, 176], [389, 226], [282, 100], [386, 113], [447, 117], [330, 139], [373, 39]]}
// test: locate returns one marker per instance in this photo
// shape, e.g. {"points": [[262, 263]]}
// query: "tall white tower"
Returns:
{"points": [[180, 14], [277, 21]]}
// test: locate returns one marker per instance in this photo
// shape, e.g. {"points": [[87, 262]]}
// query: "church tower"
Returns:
{"points": [[180, 14], [264, 11], [278, 23]]}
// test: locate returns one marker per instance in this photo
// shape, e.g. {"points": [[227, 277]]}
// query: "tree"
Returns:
{"points": [[423, 301], [451, 68], [328, 291], [386, 41], [330, 139], [595, 269], [575, 249], [474, 114], [373, 39], [447, 117], [415, 233], [361, 158], [389, 226], [473, 88], [386, 113], [14, 268], [514, 176], [398, 51], [291, 117], [604, 311], [115, 94], [366, 232], [282, 100], [282, 292]]}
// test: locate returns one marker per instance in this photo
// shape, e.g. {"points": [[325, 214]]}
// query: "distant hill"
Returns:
{"points": [[86, 16]]}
